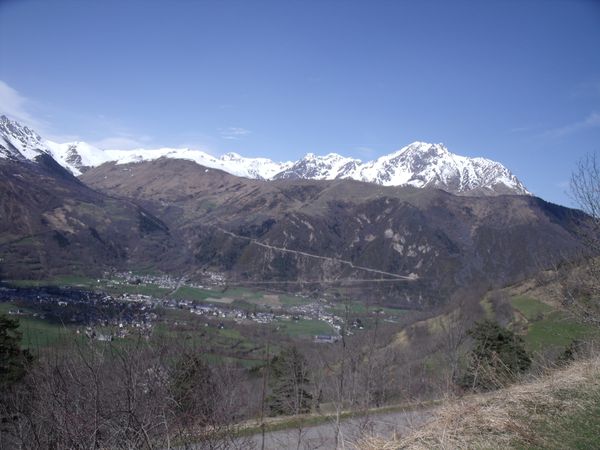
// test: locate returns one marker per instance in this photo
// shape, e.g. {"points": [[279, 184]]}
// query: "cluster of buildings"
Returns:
{"points": [[93, 310], [165, 281]]}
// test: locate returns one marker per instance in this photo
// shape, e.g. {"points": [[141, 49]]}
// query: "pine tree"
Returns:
{"points": [[14, 361], [289, 381], [498, 357], [193, 389]]}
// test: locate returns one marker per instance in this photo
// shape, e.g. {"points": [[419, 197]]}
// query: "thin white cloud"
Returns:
{"points": [[591, 121], [119, 143], [16, 106], [233, 133]]}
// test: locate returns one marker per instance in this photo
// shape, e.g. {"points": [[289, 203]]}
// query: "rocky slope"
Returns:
{"points": [[411, 247]]}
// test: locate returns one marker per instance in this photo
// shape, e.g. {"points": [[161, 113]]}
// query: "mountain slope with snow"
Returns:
{"points": [[77, 156], [419, 164], [19, 142]]}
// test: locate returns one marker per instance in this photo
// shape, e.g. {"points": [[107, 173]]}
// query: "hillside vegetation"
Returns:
{"points": [[559, 410]]}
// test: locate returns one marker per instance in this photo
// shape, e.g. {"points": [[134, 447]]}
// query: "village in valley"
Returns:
{"points": [[124, 304]]}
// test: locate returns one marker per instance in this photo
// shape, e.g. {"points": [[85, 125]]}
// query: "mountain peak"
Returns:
{"points": [[425, 147], [17, 141], [423, 144]]}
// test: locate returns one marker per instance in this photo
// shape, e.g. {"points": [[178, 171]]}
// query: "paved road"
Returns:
{"points": [[323, 436]]}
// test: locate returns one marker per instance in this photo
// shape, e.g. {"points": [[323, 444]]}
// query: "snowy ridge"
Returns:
{"points": [[419, 164], [77, 156], [259, 168], [80, 156]]}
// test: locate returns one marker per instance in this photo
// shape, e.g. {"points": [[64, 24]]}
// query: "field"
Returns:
{"points": [[356, 307], [548, 328], [556, 329], [38, 333], [304, 328], [531, 308], [190, 293]]}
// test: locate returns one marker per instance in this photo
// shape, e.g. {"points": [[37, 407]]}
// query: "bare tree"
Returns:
{"points": [[585, 185], [142, 396], [581, 282]]}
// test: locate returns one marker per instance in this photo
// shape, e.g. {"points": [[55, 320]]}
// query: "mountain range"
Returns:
{"points": [[403, 245], [398, 245], [419, 164]]}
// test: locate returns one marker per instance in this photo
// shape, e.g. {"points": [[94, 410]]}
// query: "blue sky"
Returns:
{"points": [[514, 81]]}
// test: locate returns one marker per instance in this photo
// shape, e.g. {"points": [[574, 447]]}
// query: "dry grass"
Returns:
{"points": [[538, 414]]}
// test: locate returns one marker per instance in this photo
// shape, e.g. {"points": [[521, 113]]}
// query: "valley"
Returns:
{"points": [[146, 276], [127, 306], [305, 225]]}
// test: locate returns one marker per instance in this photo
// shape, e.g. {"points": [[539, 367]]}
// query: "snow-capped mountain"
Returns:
{"points": [[419, 164], [19, 142]]}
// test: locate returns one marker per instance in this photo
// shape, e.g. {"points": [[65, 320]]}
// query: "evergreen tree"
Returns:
{"points": [[497, 358], [194, 389], [14, 361], [289, 381]]}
